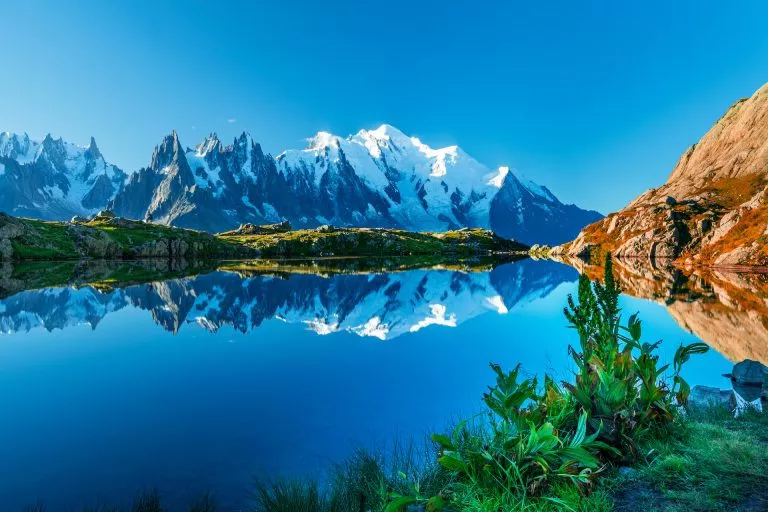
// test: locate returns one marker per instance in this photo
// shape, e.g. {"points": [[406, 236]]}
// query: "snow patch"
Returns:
{"points": [[498, 180], [373, 327], [438, 318], [497, 303], [320, 326]]}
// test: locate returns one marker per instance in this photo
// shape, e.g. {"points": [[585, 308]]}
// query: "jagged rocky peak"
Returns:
{"points": [[244, 144], [168, 152], [93, 150], [208, 145], [54, 179], [13, 145]]}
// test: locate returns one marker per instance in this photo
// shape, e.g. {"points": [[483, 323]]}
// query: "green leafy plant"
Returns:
{"points": [[619, 382], [539, 438]]}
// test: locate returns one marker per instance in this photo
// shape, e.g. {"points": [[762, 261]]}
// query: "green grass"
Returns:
{"points": [[44, 240], [714, 462], [362, 242]]}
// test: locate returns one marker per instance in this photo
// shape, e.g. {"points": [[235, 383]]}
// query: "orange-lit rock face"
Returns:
{"points": [[713, 210]]}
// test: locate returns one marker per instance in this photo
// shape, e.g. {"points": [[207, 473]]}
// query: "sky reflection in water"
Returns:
{"points": [[105, 411]]}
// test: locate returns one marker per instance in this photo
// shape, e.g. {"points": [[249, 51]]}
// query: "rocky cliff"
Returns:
{"points": [[713, 209]]}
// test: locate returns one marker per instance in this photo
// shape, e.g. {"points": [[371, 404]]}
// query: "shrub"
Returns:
{"points": [[619, 383]]}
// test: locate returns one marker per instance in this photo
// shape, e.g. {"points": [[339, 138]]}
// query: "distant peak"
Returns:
{"points": [[322, 140], [208, 144], [93, 149], [383, 132], [244, 137], [388, 129], [167, 152]]}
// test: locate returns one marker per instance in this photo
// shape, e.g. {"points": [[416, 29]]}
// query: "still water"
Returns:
{"points": [[199, 383]]}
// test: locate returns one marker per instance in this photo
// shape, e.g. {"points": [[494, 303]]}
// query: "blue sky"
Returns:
{"points": [[595, 100]]}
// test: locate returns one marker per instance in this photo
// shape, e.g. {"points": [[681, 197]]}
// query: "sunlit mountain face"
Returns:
{"points": [[377, 305]]}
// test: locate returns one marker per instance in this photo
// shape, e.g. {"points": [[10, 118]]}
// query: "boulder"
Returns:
{"points": [[105, 214], [325, 228], [707, 396], [78, 219], [252, 229], [750, 373]]}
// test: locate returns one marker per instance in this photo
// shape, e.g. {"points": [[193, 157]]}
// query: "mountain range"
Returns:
{"points": [[375, 178], [378, 305]]}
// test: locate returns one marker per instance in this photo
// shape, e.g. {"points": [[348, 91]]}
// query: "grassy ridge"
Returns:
{"points": [[366, 241], [107, 238], [115, 238]]}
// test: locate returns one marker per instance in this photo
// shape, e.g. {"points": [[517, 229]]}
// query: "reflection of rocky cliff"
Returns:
{"points": [[727, 309], [383, 305]]}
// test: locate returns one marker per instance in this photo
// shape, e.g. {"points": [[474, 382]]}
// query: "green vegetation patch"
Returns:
{"points": [[714, 462], [364, 241]]}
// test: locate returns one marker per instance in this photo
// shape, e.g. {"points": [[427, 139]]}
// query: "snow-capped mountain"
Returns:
{"points": [[53, 179], [375, 178], [381, 305]]}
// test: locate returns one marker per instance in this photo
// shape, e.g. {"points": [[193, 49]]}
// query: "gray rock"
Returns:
{"points": [[704, 225], [11, 229], [6, 249], [325, 228], [704, 396], [750, 373], [105, 214], [78, 219]]}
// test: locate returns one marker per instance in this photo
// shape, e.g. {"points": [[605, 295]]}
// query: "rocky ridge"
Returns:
{"points": [[713, 210]]}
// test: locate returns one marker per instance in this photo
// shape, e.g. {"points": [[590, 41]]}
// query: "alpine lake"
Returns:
{"points": [[188, 377]]}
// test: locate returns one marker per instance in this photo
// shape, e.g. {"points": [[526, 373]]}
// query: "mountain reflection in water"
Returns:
{"points": [[377, 304]]}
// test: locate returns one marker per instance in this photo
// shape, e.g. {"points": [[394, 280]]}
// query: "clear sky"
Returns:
{"points": [[596, 100]]}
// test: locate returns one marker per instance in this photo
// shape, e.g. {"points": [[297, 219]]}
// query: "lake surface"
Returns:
{"points": [[199, 383]]}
